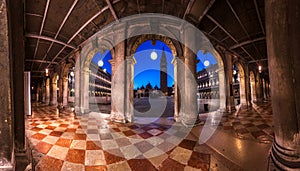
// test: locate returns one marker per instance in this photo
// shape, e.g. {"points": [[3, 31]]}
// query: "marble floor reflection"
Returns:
{"points": [[62, 141]]}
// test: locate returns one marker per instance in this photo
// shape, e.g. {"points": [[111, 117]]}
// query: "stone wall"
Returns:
{"points": [[6, 147]]}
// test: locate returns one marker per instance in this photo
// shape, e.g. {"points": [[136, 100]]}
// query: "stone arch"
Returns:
{"points": [[138, 40], [242, 83], [118, 33]]}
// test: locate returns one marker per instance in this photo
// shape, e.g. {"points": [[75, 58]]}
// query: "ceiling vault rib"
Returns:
{"points": [[41, 29], [80, 29], [211, 2], [238, 19], [86, 23], [247, 42], [243, 27], [188, 8], [40, 61], [112, 10], [221, 27], [49, 39], [212, 30], [259, 17], [32, 14], [59, 29]]}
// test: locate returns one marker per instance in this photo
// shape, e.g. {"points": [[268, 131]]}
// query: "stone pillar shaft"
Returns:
{"points": [[178, 87], [43, 93], [53, 90], [84, 99], [190, 114], [247, 85], [130, 61], [118, 83], [47, 93], [283, 43], [65, 91], [222, 89], [243, 91], [77, 82], [229, 85], [6, 122]]}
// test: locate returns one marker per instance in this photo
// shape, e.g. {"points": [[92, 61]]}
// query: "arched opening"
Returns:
{"points": [[239, 88], [100, 82], [253, 87], [208, 95], [153, 79]]}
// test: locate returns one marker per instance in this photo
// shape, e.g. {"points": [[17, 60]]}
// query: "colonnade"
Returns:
{"points": [[53, 90]]}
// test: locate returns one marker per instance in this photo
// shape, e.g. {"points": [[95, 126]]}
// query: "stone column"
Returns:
{"points": [[27, 93], [222, 89], [6, 118], [53, 90], [129, 109], [283, 44], [229, 85], [38, 92], [77, 81], [264, 89], [117, 84], [47, 93], [247, 85], [64, 91], [84, 95], [243, 91], [44, 92], [258, 85], [190, 115], [178, 87]]}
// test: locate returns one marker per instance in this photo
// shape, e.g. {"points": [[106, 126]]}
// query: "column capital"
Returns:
{"points": [[131, 59], [174, 60]]}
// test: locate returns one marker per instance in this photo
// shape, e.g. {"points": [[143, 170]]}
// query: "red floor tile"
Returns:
{"points": [[76, 156]]}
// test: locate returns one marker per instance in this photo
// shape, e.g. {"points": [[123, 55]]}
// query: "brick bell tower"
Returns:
{"points": [[163, 73]]}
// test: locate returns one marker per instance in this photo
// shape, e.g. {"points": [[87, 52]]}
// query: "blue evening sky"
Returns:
{"points": [[106, 56], [147, 70]]}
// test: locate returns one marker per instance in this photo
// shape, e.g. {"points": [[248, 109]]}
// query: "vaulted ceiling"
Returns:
{"points": [[54, 28]]}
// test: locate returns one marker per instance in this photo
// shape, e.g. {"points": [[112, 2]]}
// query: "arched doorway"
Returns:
{"points": [[119, 40], [208, 82], [153, 80], [239, 84], [100, 82]]}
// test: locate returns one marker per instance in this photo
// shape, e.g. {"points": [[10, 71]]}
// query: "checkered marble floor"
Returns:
{"points": [[251, 123], [92, 142]]}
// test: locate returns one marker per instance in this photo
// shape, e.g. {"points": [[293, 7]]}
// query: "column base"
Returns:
{"points": [[116, 117], [284, 159], [191, 122], [230, 109], [81, 111], [52, 104], [177, 117]]}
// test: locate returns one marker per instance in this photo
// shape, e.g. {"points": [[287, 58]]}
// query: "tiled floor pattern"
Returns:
{"points": [[91, 142], [252, 123]]}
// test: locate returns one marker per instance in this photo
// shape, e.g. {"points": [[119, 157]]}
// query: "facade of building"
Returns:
{"points": [[99, 81], [208, 82]]}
